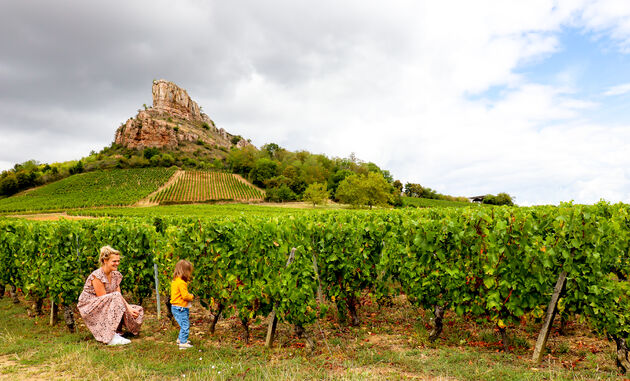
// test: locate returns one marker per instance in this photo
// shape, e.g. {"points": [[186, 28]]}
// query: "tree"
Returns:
{"points": [[316, 193], [150, 152], [271, 149], [280, 194], [398, 186], [499, 199], [242, 160], [371, 189], [78, 168], [413, 190], [264, 169]]}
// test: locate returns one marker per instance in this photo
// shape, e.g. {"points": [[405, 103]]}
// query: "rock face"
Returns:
{"points": [[170, 99], [174, 120]]}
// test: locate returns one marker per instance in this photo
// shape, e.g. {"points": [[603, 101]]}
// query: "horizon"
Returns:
{"points": [[466, 99]]}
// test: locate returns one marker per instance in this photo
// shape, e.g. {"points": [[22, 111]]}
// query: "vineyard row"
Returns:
{"points": [[495, 263]]}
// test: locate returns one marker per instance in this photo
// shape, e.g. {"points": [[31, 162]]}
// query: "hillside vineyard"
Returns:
{"points": [[494, 263], [199, 186]]}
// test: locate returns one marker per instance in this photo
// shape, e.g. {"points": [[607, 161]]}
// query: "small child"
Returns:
{"points": [[180, 300]]}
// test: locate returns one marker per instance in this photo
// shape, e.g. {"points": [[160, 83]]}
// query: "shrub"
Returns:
{"points": [[150, 152], [236, 139], [280, 194], [499, 199], [316, 193]]}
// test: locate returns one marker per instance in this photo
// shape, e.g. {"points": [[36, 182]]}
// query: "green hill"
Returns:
{"points": [[116, 187], [201, 186], [432, 203]]}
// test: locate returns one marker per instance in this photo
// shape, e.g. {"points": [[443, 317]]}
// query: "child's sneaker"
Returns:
{"points": [[185, 345]]}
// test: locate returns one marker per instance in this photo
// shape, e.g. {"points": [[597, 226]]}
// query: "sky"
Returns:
{"points": [[465, 97]]}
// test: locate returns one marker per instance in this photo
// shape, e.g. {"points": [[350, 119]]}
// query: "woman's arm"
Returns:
{"points": [[134, 312], [99, 287]]}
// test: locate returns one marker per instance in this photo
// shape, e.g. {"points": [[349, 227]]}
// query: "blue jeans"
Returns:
{"points": [[181, 316]]}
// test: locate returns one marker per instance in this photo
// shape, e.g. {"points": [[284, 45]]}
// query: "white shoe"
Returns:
{"points": [[118, 340], [186, 345]]}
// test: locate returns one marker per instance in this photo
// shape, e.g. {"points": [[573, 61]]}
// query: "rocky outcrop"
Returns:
{"points": [[173, 120], [170, 99]]}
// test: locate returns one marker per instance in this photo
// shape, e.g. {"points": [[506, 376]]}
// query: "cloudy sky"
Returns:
{"points": [[466, 97]]}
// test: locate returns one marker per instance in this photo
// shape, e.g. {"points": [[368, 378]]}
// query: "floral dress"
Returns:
{"points": [[102, 314]]}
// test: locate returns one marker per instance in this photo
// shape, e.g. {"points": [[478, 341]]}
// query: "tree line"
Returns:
{"points": [[285, 175]]}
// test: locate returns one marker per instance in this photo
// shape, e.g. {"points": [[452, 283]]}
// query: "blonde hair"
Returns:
{"points": [[106, 252], [183, 270]]}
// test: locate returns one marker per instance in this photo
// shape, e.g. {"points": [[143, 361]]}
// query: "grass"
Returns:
{"points": [[99, 188], [193, 210], [431, 203], [390, 344]]}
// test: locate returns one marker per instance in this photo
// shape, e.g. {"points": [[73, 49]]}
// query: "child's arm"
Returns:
{"points": [[183, 290]]}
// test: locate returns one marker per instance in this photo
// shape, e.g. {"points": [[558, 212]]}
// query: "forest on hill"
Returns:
{"points": [[284, 175]]}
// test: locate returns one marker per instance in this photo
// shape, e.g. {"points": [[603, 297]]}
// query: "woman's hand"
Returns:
{"points": [[133, 310]]}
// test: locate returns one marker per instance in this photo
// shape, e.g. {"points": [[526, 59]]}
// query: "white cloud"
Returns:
{"points": [[618, 90], [401, 85]]}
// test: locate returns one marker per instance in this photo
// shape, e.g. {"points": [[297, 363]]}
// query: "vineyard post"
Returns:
{"points": [[157, 289], [273, 320], [320, 296], [14, 294], [53, 312], [551, 313]]}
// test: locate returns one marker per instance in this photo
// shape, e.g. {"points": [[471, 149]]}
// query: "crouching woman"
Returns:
{"points": [[102, 306]]}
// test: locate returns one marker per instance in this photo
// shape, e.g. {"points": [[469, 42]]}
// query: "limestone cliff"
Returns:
{"points": [[174, 121]]}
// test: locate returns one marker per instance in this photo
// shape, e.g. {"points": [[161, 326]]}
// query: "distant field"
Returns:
{"points": [[196, 210], [117, 187], [199, 186], [431, 203]]}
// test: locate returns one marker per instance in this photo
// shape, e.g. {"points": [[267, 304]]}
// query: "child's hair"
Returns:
{"points": [[183, 269], [106, 252]]}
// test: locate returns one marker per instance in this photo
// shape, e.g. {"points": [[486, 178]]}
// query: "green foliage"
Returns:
{"points": [[280, 194], [148, 153], [242, 160], [263, 170], [497, 263], [78, 168], [316, 193], [499, 199], [113, 187], [200, 186], [22, 176], [371, 190], [235, 139], [433, 203], [417, 190]]}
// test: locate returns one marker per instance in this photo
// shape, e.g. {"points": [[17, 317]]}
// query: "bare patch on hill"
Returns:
{"points": [[145, 202], [49, 216]]}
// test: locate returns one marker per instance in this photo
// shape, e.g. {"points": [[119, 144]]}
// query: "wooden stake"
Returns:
{"points": [[52, 312], [271, 329], [273, 319], [157, 289], [551, 313], [320, 296]]}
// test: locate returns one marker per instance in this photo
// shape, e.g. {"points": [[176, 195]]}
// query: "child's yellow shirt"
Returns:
{"points": [[179, 293]]}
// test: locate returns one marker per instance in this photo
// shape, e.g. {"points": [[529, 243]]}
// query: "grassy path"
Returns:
{"points": [[390, 344]]}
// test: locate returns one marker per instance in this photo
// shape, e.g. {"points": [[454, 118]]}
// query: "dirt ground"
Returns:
{"points": [[48, 216]]}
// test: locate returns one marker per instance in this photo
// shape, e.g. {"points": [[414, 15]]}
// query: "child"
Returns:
{"points": [[180, 300]]}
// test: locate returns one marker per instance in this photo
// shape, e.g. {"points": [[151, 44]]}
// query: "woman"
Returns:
{"points": [[102, 306]]}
